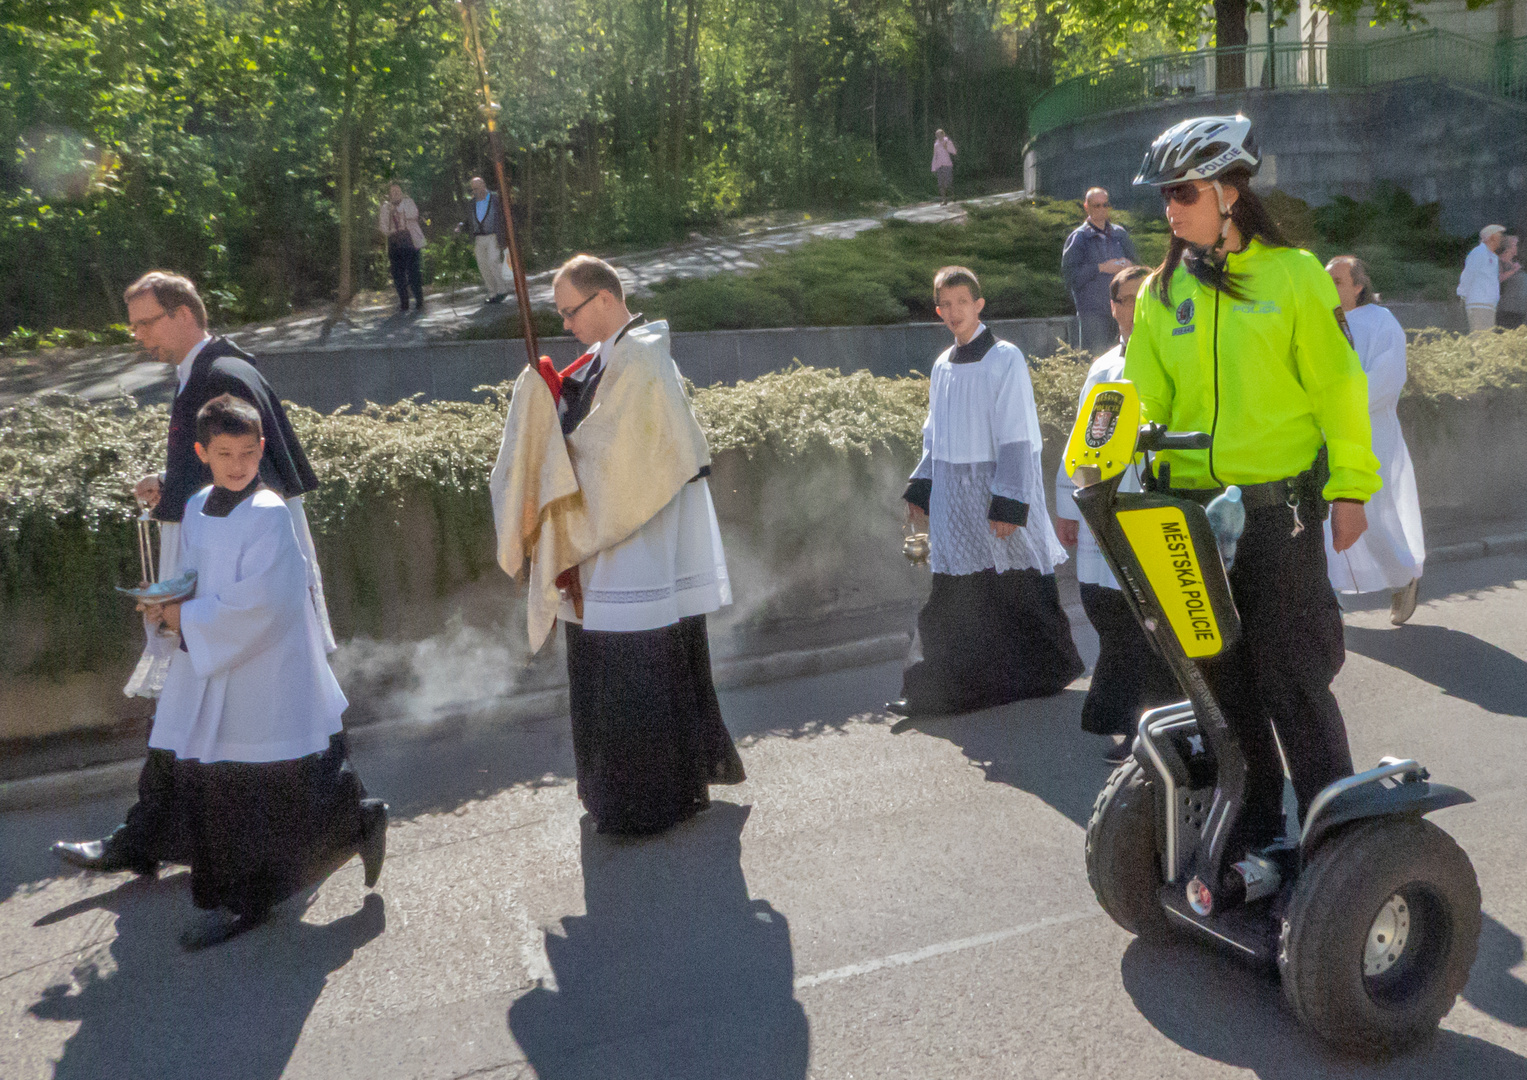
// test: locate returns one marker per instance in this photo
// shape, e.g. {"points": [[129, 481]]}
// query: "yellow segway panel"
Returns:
{"points": [[1160, 539], [1105, 432]]}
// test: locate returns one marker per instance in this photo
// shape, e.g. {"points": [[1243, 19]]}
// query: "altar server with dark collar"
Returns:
{"points": [[169, 320], [250, 711], [601, 486], [993, 630]]}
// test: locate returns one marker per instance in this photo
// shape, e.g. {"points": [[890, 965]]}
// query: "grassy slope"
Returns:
{"points": [[885, 275]]}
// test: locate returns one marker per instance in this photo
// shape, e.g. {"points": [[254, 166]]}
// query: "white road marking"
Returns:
{"points": [[927, 952]]}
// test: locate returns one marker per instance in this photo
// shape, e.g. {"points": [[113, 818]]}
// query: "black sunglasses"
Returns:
{"points": [[1184, 194]]}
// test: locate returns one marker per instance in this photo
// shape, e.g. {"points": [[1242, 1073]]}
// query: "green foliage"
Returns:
{"points": [[22, 340], [885, 275], [1392, 218], [1408, 253], [547, 323], [806, 412], [247, 142]]}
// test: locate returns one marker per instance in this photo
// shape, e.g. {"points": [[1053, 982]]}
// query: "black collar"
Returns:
{"points": [[222, 502], [636, 320], [974, 349]]}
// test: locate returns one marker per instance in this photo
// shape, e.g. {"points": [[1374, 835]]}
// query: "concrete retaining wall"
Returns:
{"points": [[814, 555], [326, 379], [1439, 142]]}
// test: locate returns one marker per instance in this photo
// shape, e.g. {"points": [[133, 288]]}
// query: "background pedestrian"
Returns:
{"points": [[1096, 250], [943, 162], [1479, 284], [398, 220], [484, 222]]}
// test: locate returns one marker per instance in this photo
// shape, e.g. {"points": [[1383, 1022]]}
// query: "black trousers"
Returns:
{"points": [[989, 639], [1129, 677], [407, 275], [648, 737], [153, 830], [1278, 676]]}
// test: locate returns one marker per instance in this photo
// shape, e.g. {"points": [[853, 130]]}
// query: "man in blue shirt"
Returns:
{"points": [[1095, 251], [485, 224]]}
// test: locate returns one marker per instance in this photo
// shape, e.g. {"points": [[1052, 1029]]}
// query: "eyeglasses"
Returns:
{"points": [[1185, 194], [568, 316], [143, 324]]}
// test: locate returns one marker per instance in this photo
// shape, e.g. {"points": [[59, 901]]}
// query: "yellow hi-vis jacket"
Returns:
{"points": [[1272, 378]]}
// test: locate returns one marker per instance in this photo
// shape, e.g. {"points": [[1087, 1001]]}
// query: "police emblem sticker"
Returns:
{"points": [[1185, 312]]}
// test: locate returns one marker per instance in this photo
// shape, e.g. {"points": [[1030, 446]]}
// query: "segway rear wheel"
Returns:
{"points": [[1380, 935], [1123, 864]]}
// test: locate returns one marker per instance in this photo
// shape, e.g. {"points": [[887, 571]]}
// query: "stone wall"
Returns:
{"points": [[1441, 143], [326, 379]]}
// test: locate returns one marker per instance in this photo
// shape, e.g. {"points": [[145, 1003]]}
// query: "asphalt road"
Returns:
{"points": [[876, 901]]}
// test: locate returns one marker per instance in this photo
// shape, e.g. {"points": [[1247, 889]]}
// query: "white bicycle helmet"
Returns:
{"points": [[1199, 149]]}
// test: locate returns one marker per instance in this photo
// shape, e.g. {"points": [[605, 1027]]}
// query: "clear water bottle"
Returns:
{"points": [[1227, 517]]}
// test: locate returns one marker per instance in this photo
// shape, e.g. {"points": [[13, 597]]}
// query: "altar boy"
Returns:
{"points": [[265, 793], [993, 630]]}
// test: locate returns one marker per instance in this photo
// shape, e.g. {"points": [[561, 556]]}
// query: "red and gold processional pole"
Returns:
{"points": [[490, 110]]}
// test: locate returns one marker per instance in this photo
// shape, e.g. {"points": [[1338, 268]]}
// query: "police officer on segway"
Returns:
{"points": [[1241, 335]]}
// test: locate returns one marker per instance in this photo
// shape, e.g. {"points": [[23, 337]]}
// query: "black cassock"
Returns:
{"points": [[989, 639], [647, 730], [223, 368]]}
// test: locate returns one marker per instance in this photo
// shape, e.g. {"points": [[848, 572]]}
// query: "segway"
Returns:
{"points": [[1370, 914]]}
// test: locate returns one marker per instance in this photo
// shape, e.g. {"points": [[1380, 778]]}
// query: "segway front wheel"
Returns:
{"points": [[1123, 864], [1380, 935]]}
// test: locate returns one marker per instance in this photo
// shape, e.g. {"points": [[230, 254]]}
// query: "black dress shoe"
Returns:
{"points": [[101, 856], [900, 707], [373, 846], [1119, 754], [497, 299]]}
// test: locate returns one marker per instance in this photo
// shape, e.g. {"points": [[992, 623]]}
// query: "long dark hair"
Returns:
{"points": [[1250, 216]]}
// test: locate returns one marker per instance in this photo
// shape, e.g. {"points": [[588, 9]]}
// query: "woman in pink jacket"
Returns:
{"points": [[943, 162]]}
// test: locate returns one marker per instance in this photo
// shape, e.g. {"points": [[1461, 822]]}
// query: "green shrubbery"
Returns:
{"points": [[67, 467]]}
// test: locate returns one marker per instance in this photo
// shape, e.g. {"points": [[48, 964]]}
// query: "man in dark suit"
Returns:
{"points": [[169, 320], [484, 222]]}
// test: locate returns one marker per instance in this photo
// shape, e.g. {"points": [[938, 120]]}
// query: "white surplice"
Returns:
{"points": [[148, 677], [982, 439], [1091, 569], [253, 683], [671, 568], [1393, 550]]}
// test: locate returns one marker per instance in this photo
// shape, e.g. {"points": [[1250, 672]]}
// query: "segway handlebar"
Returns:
{"points": [[1154, 437]]}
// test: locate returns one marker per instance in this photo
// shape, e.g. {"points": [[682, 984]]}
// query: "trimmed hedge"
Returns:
{"points": [[67, 468]]}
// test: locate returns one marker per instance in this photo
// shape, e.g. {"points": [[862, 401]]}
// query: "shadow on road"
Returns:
{"points": [[673, 972], [145, 1008], [1492, 987], [1222, 1010], [1460, 664], [1037, 746]]}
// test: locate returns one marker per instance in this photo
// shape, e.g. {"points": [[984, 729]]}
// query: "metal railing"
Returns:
{"points": [[1496, 68]]}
